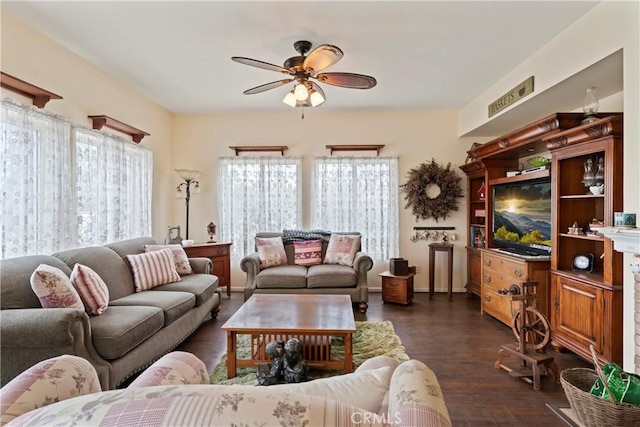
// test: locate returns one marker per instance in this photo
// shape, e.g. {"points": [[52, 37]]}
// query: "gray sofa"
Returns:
{"points": [[331, 279], [135, 330]]}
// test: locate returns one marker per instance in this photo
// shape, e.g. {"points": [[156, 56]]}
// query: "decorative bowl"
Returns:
{"points": [[539, 161], [597, 189]]}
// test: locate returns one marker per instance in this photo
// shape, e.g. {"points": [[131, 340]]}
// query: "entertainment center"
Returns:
{"points": [[535, 226]]}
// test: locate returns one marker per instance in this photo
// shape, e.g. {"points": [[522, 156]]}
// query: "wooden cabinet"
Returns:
{"points": [[501, 271], [220, 256], [586, 305], [397, 288]]}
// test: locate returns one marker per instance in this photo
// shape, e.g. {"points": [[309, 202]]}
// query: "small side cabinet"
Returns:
{"points": [[397, 289]]}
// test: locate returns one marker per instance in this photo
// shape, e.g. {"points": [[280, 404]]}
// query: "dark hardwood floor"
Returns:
{"points": [[454, 340]]}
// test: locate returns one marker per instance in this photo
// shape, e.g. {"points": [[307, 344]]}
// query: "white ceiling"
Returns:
{"points": [[425, 55]]}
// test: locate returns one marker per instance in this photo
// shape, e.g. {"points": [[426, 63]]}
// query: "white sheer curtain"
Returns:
{"points": [[114, 187], [37, 212], [257, 194], [359, 194]]}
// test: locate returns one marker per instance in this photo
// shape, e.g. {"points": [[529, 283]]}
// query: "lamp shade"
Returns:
{"points": [[188, 174]]}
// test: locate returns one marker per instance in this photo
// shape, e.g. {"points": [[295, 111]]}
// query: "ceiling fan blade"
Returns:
{"points": [[349, 80], [260, 64], [322, 57], [267, 86]]}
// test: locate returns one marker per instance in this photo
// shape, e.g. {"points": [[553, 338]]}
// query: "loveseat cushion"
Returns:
{"points": [[122, 328], [202, 286], [282, 277], [106, 263], [173, 304], [331, 276]]}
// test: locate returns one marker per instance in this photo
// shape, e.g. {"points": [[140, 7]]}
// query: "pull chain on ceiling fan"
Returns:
{"points": [[302, 69]]}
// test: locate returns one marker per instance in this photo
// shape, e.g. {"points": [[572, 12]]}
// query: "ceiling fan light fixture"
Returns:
{"points": [[316, 98], [301, 92], [290, 99]]}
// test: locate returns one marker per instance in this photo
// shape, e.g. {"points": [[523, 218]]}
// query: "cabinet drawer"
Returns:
{"points": [[510, 270], [499, 306], [206, 252]]}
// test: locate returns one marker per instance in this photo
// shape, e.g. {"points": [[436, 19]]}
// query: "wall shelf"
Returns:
{"points": [[258, 148], [102, 120], [347, 147], [39, 96]]}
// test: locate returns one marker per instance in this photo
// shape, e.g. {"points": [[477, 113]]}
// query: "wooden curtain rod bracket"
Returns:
{"points": [[258, 148], [372, 147], [39, 96], [100, 121]]}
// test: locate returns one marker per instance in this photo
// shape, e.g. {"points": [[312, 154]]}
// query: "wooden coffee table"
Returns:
{"points": [[313, 319]]}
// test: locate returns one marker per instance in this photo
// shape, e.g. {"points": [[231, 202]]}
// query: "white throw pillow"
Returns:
{"points": [[151, 269], [364, 390], [271, 251], [342, 249], [54, 289]]}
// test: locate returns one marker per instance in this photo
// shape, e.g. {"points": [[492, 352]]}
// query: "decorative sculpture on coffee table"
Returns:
{"points": [[295, 368], [274, 373], [287, 364]]}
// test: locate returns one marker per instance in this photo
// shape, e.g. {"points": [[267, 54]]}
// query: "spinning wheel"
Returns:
{"points": [[533, 332], [535, 328]]}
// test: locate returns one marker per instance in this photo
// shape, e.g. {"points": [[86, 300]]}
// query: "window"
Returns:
{"points": [[113, 185], [54, 197], [257, 194], [359, 194], [37, 214]]}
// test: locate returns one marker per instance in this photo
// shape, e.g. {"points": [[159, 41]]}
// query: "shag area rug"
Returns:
{"points": [[369, 340]]}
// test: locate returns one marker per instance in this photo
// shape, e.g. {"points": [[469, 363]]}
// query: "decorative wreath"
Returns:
{"points": [[416, 196]]}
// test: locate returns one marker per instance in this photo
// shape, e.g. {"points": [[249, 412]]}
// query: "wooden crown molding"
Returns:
{"points": [[102, 120], [39, 96]]}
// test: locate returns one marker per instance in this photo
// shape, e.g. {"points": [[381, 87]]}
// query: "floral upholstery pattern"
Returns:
{"points": [[54, 289], [415, 397], [47, 382], [169, 394], [271, 251], [342, 249], [177, 367]]}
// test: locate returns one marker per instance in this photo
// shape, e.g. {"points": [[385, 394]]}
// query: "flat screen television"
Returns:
{"points": [[522, 217]]}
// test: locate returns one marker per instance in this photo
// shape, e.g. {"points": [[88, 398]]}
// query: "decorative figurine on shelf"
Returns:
{"points": [[482, 191], [445, 238], [575, 229], [273, 372], [211, 231], [295, 368]]}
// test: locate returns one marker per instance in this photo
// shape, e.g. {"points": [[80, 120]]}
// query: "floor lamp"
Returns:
{"points": [[190, 177]]}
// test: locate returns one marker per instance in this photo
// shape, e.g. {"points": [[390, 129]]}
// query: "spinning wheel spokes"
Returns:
{"points": [[536, 327]]}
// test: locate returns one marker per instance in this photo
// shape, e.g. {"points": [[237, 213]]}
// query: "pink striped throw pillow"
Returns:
{"points": [[151, 269], [308, 252], [92, 289]]}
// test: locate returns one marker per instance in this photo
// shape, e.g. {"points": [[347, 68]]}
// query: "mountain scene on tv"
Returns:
{"points": [[523, 214]]}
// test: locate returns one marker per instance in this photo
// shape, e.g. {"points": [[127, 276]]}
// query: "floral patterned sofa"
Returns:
{"points": [[174, 391]]}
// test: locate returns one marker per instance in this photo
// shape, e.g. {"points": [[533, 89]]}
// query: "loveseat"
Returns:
{"points": [[175, 391], [323, 278], [135, 329]]}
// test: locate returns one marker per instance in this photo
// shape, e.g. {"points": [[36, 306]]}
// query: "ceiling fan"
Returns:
{"points": [[302, 69]]}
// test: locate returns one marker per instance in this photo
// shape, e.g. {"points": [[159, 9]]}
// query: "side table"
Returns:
{"points": [[397, 288], [220, 256], [448, 249]]}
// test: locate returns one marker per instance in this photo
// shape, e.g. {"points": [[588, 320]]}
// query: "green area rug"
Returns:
{"points": [[370, 339]]}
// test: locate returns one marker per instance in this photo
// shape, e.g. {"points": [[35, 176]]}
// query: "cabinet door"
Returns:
{"points": [[474, 266], [577, 312]]}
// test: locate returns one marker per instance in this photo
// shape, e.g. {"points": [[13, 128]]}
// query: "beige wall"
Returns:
{"points": [[413, 136], [28, 55]]}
